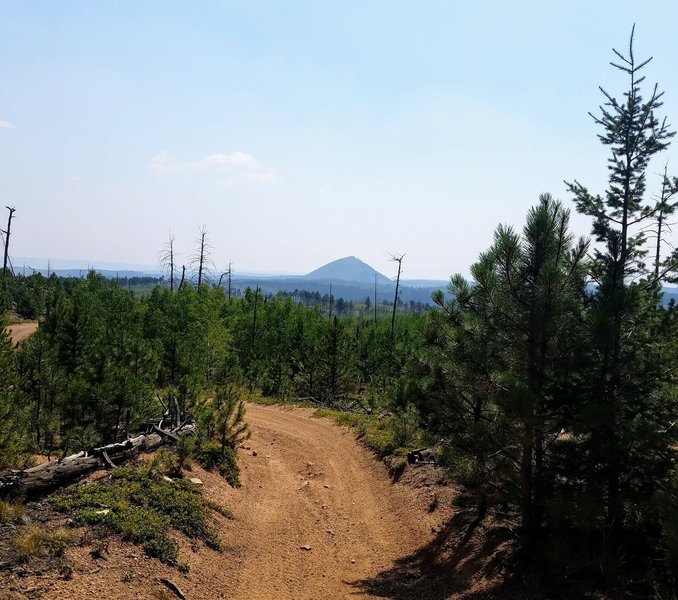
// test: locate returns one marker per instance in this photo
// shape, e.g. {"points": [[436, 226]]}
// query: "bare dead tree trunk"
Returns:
{"points": [[254, 318], [201, 262], [166, 259], [171, 249], [664, 209], [226, 273], [375, 298], [7, 233], [230, 272], [183, 275], [330, 315], [399, 259]]}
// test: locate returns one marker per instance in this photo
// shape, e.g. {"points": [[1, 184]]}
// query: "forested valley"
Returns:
{"points": [[546, 387]]}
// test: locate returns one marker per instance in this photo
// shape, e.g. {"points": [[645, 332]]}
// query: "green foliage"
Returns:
{"points": [[184, 448], [290, 351], [222, 417], [405, 428], [31, 541], [12, 411], [90, 373], [59, 540], [551, 378], [142, 506], [392, 434], [627, 395], [221, 427], [215, 457], [30, 295], [492, 386], [171, 460], [664, 503], [219, 509]]}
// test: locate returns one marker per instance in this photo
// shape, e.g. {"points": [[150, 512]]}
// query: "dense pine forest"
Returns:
{"points": [[547, 385]]}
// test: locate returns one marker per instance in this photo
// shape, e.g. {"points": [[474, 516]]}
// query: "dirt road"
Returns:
{"points": [[20, 331], [317, 517], [311, 485]]}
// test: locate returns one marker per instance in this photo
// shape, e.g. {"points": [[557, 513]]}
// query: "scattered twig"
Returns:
{"points": [[173, 587]]}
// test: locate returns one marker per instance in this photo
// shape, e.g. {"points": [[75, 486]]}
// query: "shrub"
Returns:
{"points": [[58, 541], [185, 448], [404, 427], [33, 541], [213, 457], [394, 434], [222, 417], [142, 506]]}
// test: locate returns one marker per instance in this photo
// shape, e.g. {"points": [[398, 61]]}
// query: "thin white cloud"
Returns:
{"points": [[235, 159], [235, 168], [163, 164], [244, 178], [6, 125]]}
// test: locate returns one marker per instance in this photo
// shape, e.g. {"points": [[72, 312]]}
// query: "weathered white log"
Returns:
{"points": [[50, 475]]}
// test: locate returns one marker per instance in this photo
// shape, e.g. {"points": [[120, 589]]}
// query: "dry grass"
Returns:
{"points": [[10, 511], [29, 542]]}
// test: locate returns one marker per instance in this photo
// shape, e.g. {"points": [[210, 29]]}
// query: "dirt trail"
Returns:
{"points": [[312, 485], [316, 515], [20, 331]]}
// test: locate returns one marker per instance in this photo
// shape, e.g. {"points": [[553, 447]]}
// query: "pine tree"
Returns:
{"points": [[621, 406], [12, 418], [503, 342]]}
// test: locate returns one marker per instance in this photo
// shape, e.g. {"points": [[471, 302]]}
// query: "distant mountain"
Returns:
{"points": [[108, 274], [75, 265], [348, 269]]}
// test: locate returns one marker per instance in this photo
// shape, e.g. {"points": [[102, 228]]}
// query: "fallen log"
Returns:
{"points": [[44, 478], [165, 433]]}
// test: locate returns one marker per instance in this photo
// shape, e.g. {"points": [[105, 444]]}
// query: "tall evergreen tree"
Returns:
{"points": [[620, 405], [12, 419], [506, 338]]}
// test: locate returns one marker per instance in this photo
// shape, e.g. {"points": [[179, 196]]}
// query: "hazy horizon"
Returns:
{"points": [[298, 134], [58, 264]]}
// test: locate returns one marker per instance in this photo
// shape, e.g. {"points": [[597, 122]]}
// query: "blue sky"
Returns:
{"points": [[301, 132]]}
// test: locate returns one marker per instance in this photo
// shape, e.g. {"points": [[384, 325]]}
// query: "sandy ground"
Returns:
{"points": [[20, 331], [316, 515]]}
